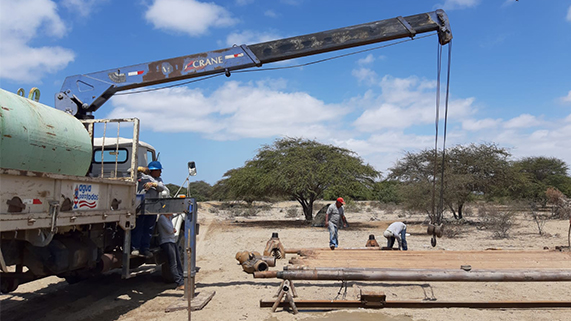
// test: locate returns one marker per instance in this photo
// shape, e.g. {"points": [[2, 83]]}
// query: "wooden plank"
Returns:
{"points": [[198, 302]]}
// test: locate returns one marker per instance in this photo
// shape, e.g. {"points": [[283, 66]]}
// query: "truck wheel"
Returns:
{"points": [[8, 285]]}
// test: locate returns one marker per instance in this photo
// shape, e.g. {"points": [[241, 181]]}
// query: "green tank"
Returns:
{"points": [[36, 137]]}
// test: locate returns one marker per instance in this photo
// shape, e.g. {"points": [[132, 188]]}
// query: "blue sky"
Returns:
{"points": [[510, 76]]}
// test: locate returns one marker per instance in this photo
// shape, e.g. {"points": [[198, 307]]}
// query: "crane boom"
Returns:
{"points": [[81, 95]]}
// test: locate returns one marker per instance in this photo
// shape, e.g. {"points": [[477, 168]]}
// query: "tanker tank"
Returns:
{"points": [[36, 137]]}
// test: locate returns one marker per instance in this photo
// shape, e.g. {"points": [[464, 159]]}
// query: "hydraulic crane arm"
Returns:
{"points": [[81, 95]]}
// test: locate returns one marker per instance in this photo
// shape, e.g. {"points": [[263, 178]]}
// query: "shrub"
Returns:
{"points": [[498, 222]]}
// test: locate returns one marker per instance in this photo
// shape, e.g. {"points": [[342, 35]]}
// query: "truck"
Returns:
{"points": [[68, 200]]}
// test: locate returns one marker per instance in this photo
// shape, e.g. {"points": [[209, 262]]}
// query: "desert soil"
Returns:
{"points": [[223, 234]]}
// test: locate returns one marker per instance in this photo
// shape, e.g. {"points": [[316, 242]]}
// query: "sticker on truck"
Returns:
{"points": [[85, 196]]}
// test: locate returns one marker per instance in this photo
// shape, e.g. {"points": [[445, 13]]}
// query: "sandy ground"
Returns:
{"points": [[223, 234]]}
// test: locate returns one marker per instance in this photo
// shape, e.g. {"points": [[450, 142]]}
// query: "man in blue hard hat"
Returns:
{"points": [[151, 185]]}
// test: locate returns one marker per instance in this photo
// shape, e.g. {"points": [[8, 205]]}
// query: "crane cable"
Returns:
{"points": [[437, 212]]}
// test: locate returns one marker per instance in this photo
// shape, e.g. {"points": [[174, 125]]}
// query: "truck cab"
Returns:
{"points": [[112, 156]]}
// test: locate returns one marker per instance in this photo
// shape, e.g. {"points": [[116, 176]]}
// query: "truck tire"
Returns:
{"points": [[8, 285]]}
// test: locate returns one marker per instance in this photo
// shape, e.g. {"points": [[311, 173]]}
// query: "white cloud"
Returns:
{"points": [[259, 111], [188, 16], [250, 37], [480, 124], [365, 75], [244, 2], [566, 99], [405, 102], [83, 7], [270, 13], [522, 121], [367, 60], [458, 4], [569, 14], [21, 22]]}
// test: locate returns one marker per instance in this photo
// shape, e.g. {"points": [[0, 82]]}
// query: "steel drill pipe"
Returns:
{"points": [[344, 304], [435, 275]]}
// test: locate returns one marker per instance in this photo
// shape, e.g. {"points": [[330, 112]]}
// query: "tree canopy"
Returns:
{"points": [[534, 175], [468, 171], [300, 169]]}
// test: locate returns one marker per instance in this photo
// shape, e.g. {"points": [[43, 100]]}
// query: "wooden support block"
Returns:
{"points": [[373, 299]]}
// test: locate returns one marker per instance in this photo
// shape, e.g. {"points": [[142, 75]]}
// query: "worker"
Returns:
{"points": [[151, 185], [334, 215], [396, 230], [167, 241]]}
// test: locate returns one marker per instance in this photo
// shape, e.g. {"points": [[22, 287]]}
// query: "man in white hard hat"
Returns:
{"points": [[397, 231]]}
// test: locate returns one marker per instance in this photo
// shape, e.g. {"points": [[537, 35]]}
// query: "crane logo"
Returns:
{"points": [[85, 196]]}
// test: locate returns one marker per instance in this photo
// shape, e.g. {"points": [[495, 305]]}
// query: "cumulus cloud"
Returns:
{"points": [[188, 16], [405, 102], [250, 37], [458, 4], [270, 13], [365, 75], [83, 7], [367, 60], [566, 99], [480, 124], [522, 121], [19, 25], [258, 111]]}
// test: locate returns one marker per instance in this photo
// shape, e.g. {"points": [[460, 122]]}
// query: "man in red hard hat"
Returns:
{"points": [[335, 214]]}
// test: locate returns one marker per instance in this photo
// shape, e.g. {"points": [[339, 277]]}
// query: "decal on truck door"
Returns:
{"points": [[85, 196]]}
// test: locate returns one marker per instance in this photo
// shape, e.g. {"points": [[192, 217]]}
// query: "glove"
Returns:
{"points": [[149, 185]]}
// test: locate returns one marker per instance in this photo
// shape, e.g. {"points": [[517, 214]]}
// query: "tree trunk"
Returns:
{"points": [[460, 206], [308, 211]]}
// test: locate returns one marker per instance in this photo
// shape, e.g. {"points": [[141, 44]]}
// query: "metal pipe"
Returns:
{"points": [[266, 275], [305, 250], [435, 275], [304, 304]]}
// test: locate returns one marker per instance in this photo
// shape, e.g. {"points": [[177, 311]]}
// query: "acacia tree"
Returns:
{"points": [[468, 171], [537, 174], [300, 169]]}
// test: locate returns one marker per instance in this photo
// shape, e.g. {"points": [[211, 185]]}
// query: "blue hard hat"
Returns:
{"points": [[156, 165]]}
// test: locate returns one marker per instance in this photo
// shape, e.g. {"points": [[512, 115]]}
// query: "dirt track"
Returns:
{"points": [[146, 296]]}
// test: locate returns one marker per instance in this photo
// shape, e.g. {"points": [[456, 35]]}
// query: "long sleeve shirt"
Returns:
{"points": [[166, 230]]}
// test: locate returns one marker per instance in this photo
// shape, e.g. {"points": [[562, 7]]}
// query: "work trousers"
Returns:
{"points": [[333, 241], [174, 262], [402, 244], [141, 235]]}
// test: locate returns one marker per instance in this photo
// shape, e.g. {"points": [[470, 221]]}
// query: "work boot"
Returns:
{"points": [[147, 254], [332, 247], [180, 287], [135, 252]]}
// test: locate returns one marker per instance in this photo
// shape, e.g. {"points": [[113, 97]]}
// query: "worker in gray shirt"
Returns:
{"points": [[397, 231], [335, 214], [167, 242]]}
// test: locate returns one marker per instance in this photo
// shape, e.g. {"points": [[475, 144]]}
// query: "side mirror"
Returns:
{"points": [[191, 169]]}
